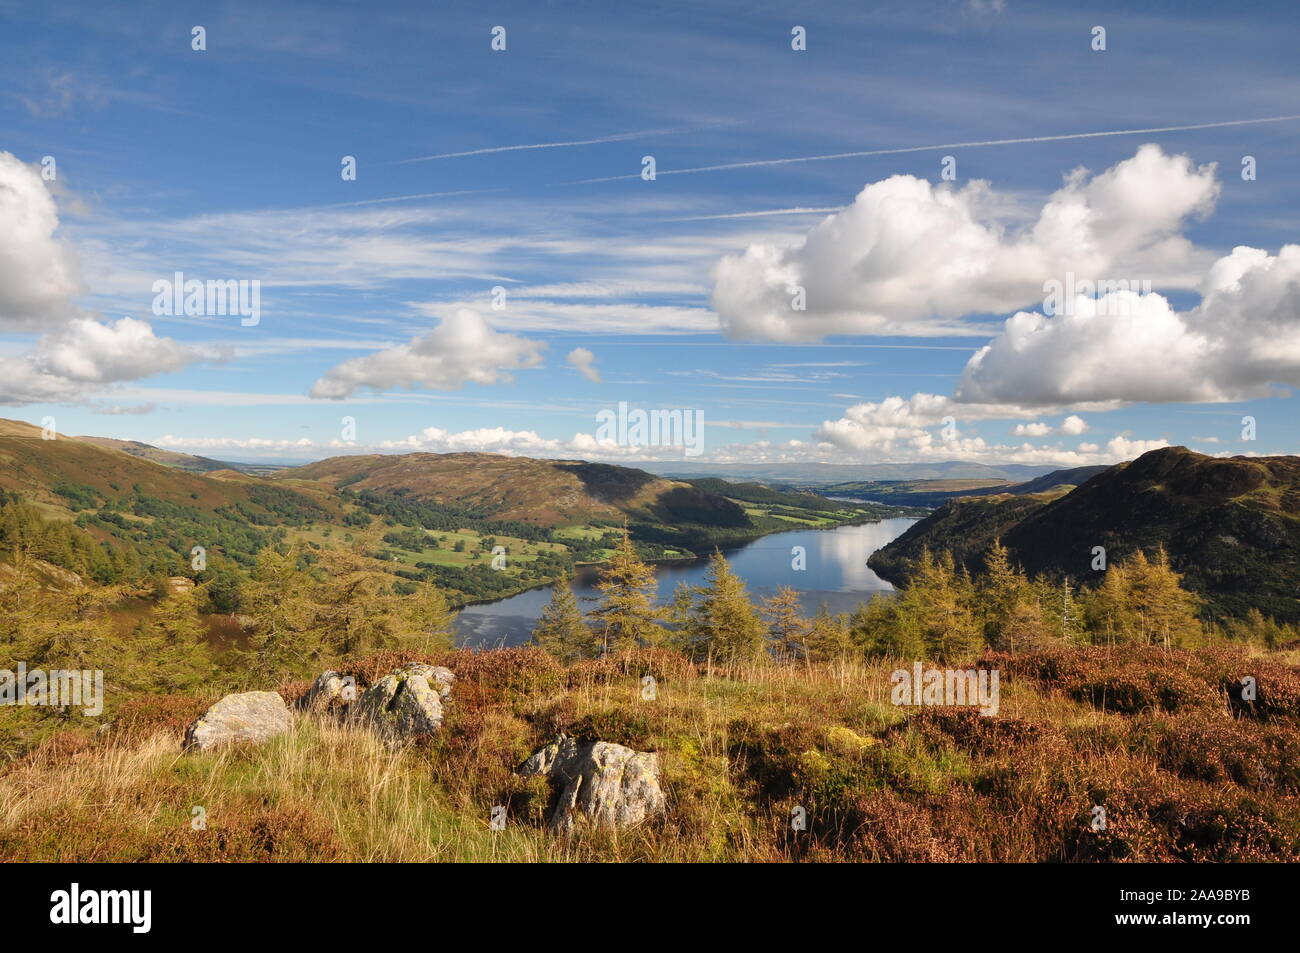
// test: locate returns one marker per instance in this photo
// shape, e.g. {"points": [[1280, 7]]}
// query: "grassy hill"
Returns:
{"points": [[1231, 527], [68, 475], [544, 492], [1155, 729], [131, 512], [554, 494], [168, 458]]}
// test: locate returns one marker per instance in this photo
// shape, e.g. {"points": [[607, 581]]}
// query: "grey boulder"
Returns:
{"points": [[407, 704], [251, 717], [330, 691], [438, 677], [602, 785]]}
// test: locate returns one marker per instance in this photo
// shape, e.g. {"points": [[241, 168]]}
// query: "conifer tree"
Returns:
{"points": [[937, 604], [1012, 616], [1142, 601], [171, 646], [352, 613], [561, 629], [626, 615], [1165, 611], [725, 625], [1109, 608], [787, 629], [277, 598], [881, 627], [424, 619], [828, 638]]}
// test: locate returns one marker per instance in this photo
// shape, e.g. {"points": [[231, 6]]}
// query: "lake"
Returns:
{"points": [[836, 576]]}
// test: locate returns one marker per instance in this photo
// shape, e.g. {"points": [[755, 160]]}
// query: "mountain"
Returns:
{"points": [[1076, 476], [804, 499], [73, 473], [1231, 527], [68, 476], [927, 493], [168, 458], [820, 474], [938, 492], [564, 493], [544, 492], [112, 511], [82, 474]]}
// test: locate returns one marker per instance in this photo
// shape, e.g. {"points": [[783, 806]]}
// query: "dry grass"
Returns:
{"points": [[1152, 736]]}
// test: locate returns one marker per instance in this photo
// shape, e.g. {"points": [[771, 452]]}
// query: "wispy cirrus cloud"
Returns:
{"points": [[975, 144], [563, 144]]}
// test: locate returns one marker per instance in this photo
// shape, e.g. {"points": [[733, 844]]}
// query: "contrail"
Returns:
{"points": [[620, 137], [775, 211], [403, 198], [947, 145]]}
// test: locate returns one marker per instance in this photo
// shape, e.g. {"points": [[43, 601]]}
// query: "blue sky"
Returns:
{"points": [[376, 294]]}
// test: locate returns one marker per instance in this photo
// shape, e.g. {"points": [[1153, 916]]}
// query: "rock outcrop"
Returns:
{"points": [[407, 704], [600, 784], [330, 692], [249, 717]]}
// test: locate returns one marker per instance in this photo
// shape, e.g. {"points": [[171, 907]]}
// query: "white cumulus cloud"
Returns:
{"points": [[461, 350], [38, 271], [1074, 425], [1036, 429], [76, 356], [585, 362], [1241, 340], [908, 257], [84, 356]]}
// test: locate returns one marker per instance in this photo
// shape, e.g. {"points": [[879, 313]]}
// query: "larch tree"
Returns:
{"points": [[626, 615], [787, 629], [829, 637], [277, 598], [725, 626], [561, 630], [1009, 606], [425, 620], [1166, 611], [172, 644], [938, 601]]}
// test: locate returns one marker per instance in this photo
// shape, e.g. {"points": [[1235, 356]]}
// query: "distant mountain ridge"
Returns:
{"points": [[937, 492], [1076, 476], [829, 473], [1231, 526]]}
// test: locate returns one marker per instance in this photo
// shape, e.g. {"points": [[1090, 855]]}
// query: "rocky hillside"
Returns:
{"points": [[1231, 527], [511, 756]]}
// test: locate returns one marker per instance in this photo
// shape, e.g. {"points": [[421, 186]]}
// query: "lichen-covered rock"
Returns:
{"points": [[407, 704], [252, 717], [438, 677], [601, 784], [329, 692]]}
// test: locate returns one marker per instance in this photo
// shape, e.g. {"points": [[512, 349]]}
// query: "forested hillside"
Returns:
{"points": [[1230, 526]]}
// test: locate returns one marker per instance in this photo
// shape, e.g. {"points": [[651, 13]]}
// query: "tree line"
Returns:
{"points": [[943, 613]]}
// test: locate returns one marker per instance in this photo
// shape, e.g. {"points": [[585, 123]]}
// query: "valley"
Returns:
{"points": [[478, 526]]}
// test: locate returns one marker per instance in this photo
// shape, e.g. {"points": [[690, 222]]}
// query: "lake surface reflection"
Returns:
{"points": [[836, 576]]}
